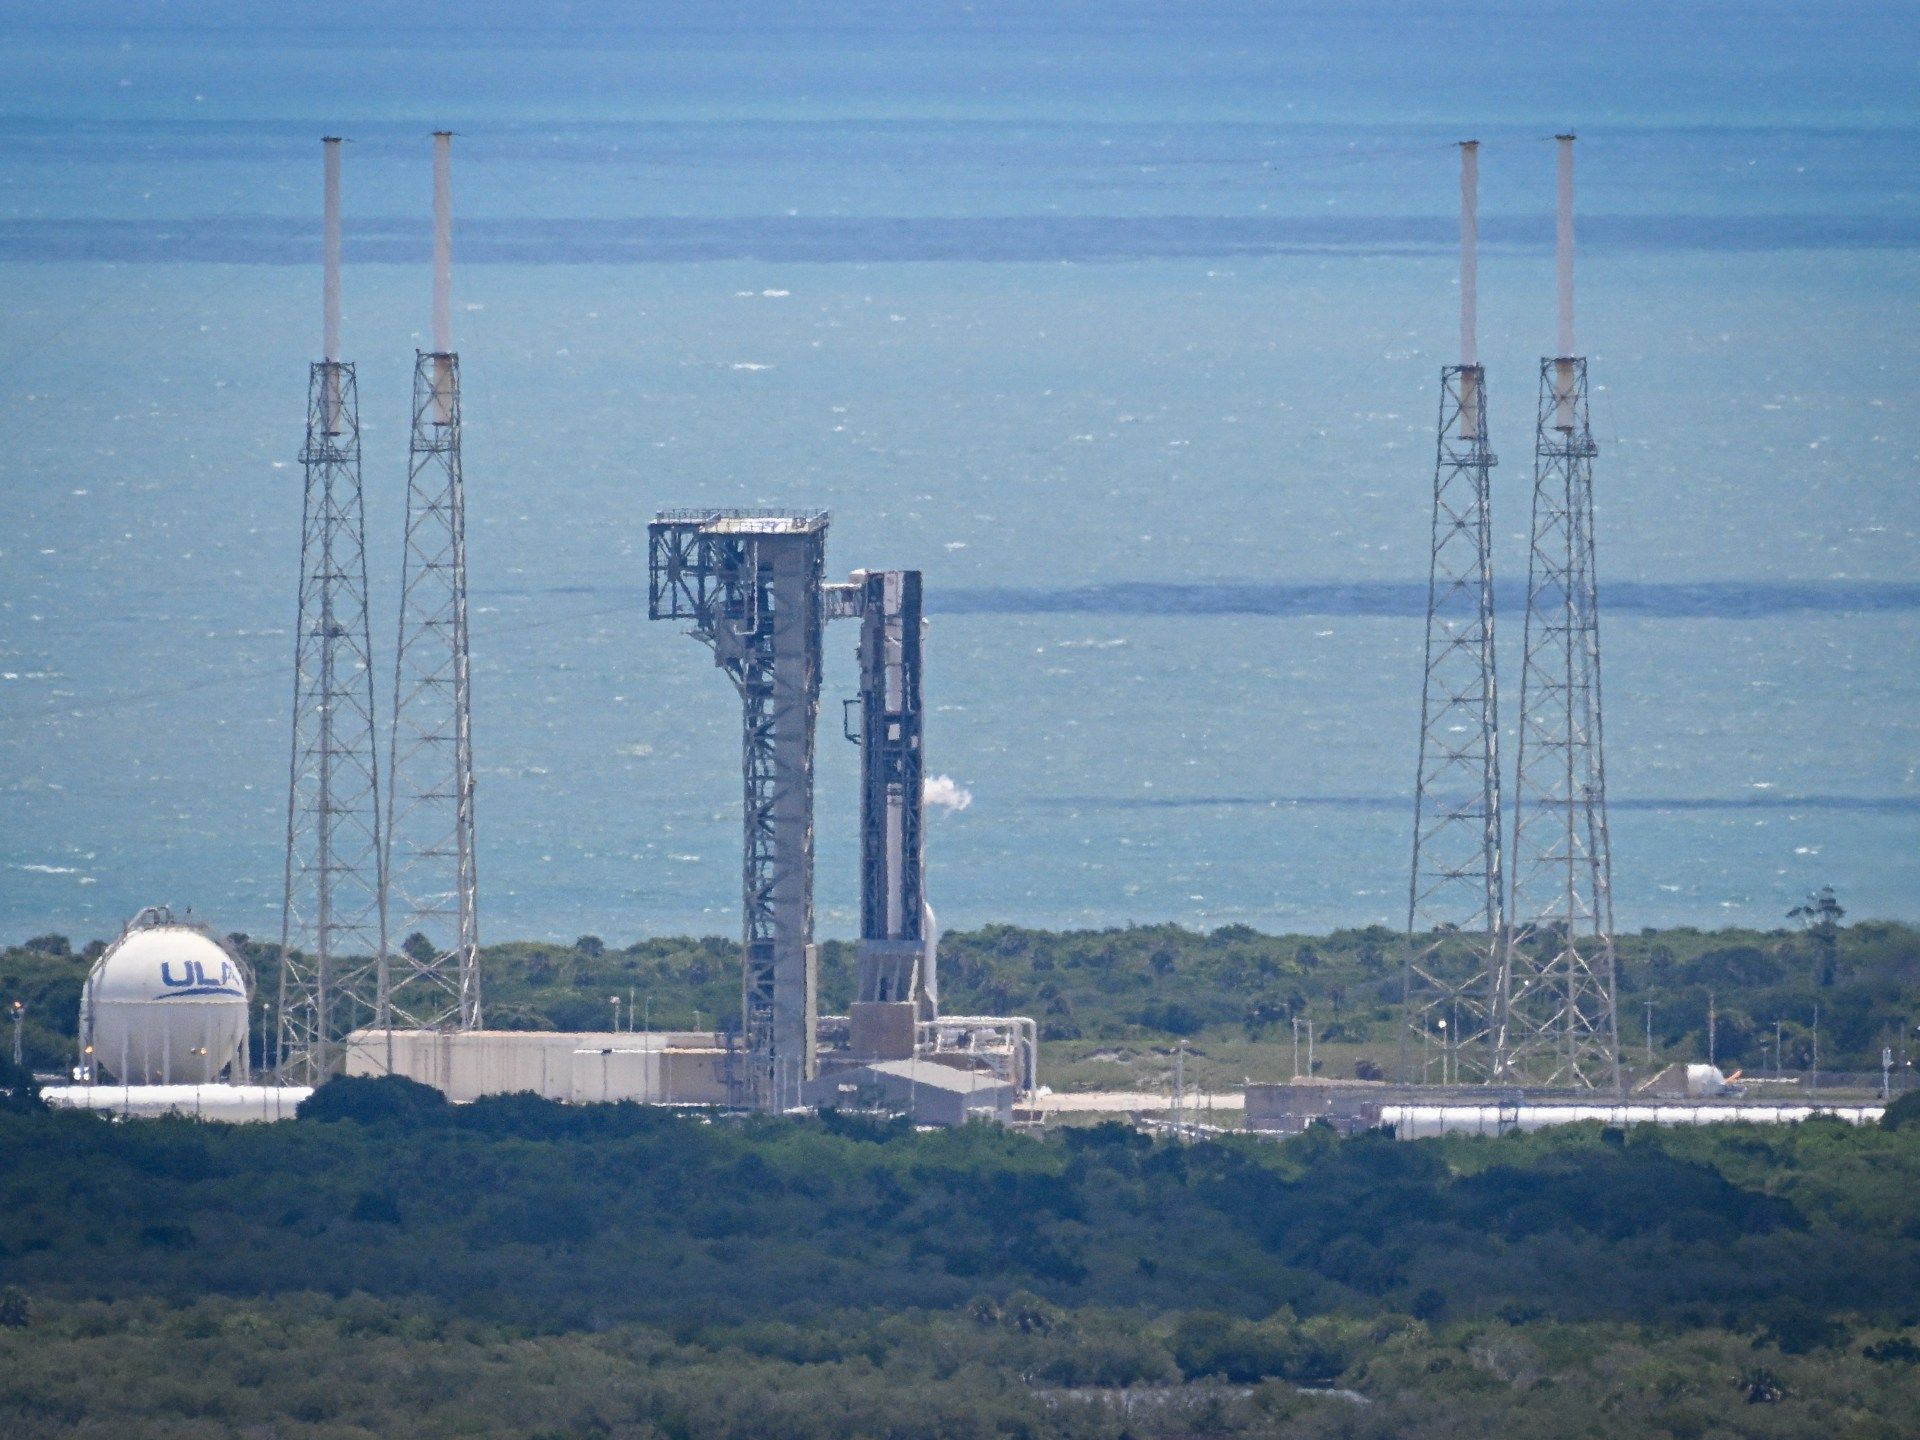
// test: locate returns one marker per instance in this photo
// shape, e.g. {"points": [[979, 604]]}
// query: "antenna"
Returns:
{"points": [[333, 920], [1455, 906], [1557, 1023], [432, 884]]}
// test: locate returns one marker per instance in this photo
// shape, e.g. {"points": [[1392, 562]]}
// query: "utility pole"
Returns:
{"points": [[1179, 1088], [1296, 1047], [1713, 1029], [1649, 1037], [1816, 1047], [1886, 1072]]}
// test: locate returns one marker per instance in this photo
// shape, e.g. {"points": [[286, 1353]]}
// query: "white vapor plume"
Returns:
{"points": [[946, 792]]}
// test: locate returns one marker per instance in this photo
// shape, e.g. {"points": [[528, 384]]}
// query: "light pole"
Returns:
{"points": [[614, 1000], [1445, 1050], [1453, 1036], [19, 1015]]}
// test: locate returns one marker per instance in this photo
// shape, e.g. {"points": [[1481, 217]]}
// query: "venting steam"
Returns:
{"points": [[946, 792]]}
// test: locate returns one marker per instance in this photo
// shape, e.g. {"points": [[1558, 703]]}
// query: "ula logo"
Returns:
{"points": [[194, 979]]}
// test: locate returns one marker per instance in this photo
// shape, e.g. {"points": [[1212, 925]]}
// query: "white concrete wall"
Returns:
{"points": [[663, 1067], [235, 1104], [1413, 1122]]}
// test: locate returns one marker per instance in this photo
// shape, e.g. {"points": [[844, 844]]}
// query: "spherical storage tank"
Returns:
{"points": [[165, 1005]]}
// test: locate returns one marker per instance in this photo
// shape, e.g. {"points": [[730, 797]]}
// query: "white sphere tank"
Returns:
{"points": [[165, 1005]]}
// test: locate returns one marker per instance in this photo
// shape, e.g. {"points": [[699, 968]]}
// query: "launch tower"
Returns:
{"points": [[750, 583]]}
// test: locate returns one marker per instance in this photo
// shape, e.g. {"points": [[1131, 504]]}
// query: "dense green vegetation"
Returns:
{"points": [[391, 1264], [1228, 990]]}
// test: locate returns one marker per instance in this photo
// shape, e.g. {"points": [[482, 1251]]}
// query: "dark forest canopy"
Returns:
{"points": [[516, 1266]]}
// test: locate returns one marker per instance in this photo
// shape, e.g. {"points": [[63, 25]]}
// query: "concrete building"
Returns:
{"points": [[930, 1092], [678, 1068]]}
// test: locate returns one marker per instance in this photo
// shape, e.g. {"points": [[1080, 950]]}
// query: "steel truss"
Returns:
{"points": [[333, 924], [1455, 906], [1557, 1023], [751, 583], [432, 982]]}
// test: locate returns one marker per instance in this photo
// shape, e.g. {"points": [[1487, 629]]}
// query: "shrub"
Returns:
{"points": [[372, 1099]]}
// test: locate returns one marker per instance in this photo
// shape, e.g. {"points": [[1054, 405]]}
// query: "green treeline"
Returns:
{"points": [[516, 1267], [1155, 982]]}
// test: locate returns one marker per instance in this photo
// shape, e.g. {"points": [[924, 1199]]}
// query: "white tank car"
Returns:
{"points": [[166, 1004]]}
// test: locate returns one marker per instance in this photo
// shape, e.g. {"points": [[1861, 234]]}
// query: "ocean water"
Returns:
{"points": [[1123, 322]]}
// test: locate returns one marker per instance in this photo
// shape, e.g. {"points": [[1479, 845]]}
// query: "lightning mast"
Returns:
{"points": [[1556, 1021], [333, 920], [433, 983], [1455, 906]]}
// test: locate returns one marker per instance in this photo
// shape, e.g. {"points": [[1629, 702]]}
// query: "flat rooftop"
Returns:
{"points": [[749, 522]]}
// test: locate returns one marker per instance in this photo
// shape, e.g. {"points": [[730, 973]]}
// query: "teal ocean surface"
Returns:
{"points": [[1124, 322]]}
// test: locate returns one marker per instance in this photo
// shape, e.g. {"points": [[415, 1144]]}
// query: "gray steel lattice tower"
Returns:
{"points": [[895, 960], [432, 889], [1557, 1023], [1455, 904], [333, 921], [751, 583]]}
